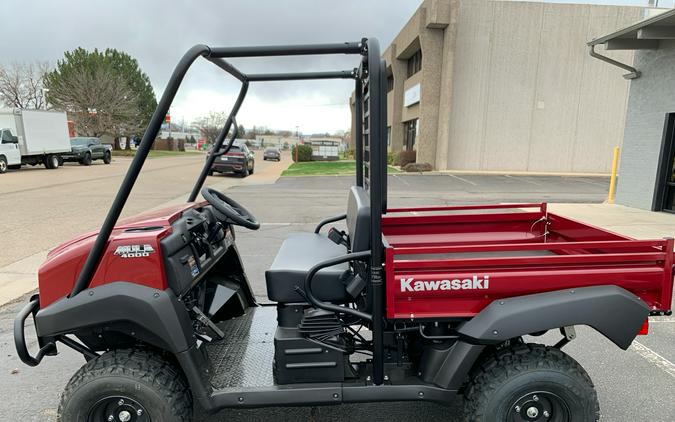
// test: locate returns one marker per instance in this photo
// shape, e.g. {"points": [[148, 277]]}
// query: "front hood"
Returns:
{"points": [[161, 217], [58, 273]]}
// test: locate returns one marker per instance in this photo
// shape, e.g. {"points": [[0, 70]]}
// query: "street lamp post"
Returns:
{"points": [[44, 96], [297, 143]]}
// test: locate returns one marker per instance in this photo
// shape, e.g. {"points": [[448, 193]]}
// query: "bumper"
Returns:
{"points": [[272, 157], [72, 157], [227, 167], [47, 347]]}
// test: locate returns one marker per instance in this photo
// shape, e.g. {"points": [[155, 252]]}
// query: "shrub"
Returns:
{"points": [[391, 158], [349, 154], [304, 153], [406, 157], [417, 167]]}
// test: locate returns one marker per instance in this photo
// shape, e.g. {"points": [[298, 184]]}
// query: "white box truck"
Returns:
{"points": [[32, 137]]}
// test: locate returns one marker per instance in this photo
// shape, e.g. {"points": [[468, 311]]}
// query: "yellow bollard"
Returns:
{"points": [[612, 179]]}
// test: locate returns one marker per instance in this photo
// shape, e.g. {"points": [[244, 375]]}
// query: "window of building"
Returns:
{"points": [[415, 63], [390, 83], [410, 139]]}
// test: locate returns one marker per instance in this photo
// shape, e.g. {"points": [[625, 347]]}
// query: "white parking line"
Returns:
{"points": [[463, 179], [401, 179], [651, 356]]}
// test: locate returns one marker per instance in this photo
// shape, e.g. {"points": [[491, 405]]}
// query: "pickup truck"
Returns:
{"points": [[85, 150]]}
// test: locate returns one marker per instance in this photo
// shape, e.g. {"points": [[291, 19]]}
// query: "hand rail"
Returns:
{"points": [[329, 220], [355, 256]]}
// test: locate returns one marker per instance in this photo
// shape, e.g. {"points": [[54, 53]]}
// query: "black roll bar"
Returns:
{"points": [[372, 68], [91, 264], [358, 131], [265, 77], [219, 142], [288, 50]]}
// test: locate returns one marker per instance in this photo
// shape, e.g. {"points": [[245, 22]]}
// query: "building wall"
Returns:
{"points": [[509, 86], [526, 94], [651, 97]]}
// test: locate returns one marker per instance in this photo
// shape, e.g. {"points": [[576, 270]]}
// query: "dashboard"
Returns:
{"points": [[197, 241]]}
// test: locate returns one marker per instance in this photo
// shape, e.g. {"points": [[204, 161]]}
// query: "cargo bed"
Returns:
{"points": [[461, 258]]}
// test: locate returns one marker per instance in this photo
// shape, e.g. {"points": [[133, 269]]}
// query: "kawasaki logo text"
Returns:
{"points": [[475, 283]]}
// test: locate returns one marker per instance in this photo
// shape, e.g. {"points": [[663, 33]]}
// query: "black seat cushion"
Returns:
{"points": [[297, 255]]}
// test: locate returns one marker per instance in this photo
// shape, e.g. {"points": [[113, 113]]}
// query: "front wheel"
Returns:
{"points": [[530, 382], [86, 160], [126, 385], [3, 165]]}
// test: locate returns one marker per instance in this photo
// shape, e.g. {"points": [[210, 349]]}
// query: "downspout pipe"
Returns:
{"points": [[633, 72]]}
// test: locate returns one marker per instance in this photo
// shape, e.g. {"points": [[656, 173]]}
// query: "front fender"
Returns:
{"points": [[611, 310], [151, 315]]}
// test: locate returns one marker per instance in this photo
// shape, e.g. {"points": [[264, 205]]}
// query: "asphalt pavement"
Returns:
{"points": [[633, 385]]}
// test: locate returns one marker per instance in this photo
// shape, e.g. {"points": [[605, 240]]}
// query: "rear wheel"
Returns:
{"points": [[126, 385], [252, 169], [107, 157], [51, 162], [530, 382], [244, 172]]}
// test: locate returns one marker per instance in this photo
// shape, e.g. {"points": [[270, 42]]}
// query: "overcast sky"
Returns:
{"points": [[157, 33]]}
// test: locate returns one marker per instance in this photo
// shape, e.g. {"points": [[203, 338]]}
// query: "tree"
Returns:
{"points": [[210, 126], [22, 85], [104, 92]]}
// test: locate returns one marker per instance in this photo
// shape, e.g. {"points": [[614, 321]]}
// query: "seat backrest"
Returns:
{"points": [[358, 219]]}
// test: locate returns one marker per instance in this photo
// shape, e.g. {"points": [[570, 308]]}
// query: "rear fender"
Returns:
{"points": [[612, 311], [137, 312]]}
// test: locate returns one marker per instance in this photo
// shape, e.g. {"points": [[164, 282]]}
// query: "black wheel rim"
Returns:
{"points": [[118, 409], [539, 406]]}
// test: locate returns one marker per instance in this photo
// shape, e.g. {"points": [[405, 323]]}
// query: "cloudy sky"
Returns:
{"points": [[157, 33]]}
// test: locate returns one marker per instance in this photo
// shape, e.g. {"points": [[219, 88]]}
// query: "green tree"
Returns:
{"points": [[104, 92]]}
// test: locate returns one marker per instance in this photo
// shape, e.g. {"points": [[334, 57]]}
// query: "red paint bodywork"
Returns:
{"points": [[505, 242], [64, 263], [429, 243]]}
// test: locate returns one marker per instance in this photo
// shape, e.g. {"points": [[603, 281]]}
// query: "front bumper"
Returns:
{"points": [[72, 156], [47, 346]]}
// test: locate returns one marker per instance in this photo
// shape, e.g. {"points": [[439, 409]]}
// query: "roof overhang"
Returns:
{"points": [[644, 35]]}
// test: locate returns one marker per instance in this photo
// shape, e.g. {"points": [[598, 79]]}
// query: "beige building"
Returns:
{"points": [[507, 86]]}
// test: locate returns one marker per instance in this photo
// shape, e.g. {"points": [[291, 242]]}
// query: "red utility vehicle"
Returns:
{"points": [[407, 304]]}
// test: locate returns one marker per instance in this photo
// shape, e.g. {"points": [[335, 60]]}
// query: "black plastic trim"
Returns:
{"points": [[155, 316], [611, 310]]}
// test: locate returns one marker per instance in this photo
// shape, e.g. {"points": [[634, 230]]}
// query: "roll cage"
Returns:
{"points": [[370, 151]]}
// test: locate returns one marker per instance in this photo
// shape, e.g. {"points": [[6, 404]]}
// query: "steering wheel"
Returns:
{"points": [[234, 212]]}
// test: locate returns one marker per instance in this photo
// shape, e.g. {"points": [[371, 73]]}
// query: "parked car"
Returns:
{"points": [[239, 159], [272, 154], [85, 150]]}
